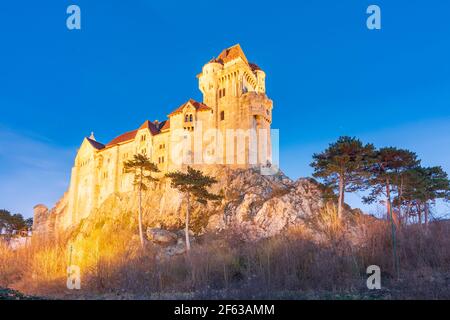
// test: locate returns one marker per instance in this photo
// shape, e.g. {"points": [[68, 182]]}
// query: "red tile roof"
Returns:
{"points": [[154, 127], [165, 125], [230, 54], [127, 136], [197, 105]]}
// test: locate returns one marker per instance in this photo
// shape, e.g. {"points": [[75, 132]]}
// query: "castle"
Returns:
{"points": [[234, 105]]}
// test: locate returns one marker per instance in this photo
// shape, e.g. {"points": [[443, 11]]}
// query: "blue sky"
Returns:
{"points": [[327, 74]]}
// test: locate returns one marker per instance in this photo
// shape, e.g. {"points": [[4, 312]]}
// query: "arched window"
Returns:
{"points": [[190, 118], [186, 117]]}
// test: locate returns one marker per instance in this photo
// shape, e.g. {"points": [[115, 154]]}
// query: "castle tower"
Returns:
{"points": [[235, 89]]}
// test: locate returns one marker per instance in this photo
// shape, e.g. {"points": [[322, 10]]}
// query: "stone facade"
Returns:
{"points": [[234, 114]]}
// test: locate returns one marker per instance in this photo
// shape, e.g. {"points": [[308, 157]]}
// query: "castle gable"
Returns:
{"points": [[95, 144], [87, 150], [197, 106], [90, 145], [150, 126]]}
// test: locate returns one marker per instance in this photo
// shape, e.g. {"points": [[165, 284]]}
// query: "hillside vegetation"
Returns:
{"points": [[253, 236]]}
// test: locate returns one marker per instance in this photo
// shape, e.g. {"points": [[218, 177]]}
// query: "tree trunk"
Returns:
{"points": [[388, 199], [400, 194], [408, 212], [341, 195], [141, 234], [426, 211], [419, 213], [186, 230]]}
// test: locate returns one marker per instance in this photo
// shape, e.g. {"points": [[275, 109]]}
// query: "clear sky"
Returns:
{"points": [[327, 74]]}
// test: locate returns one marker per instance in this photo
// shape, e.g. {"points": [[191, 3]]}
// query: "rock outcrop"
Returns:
{"points": [[259, 206], [169, 243], [161, 236]]}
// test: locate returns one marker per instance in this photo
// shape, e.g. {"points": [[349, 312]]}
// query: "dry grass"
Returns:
{"points": [[295, 265], [10, 270], [35, 266], [328, 223]]}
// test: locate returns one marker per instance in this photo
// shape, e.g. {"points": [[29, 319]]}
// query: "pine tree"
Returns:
{"points": [[142, 168], [13, 223], [424, 186], [343, 166], [388, 169], [193, 184], [5, 216]]}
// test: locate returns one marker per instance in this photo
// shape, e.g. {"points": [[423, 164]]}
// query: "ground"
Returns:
{"points": [[8, 294]]}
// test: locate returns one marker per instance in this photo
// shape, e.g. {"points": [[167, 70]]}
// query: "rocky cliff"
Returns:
{"points": [[258, 206]]}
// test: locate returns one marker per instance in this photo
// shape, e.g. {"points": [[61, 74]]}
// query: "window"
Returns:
{"points": [[143, 137], [190, 118], [85, 163], [222, 115], [223, 94], [186, 118]]}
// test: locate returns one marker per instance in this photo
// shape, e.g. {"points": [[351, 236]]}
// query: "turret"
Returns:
{"points": [[208, 82]]}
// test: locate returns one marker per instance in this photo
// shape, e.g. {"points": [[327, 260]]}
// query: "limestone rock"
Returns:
{"points": [[177, 249], [181, 233], [161, 236], [255, 205]]}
